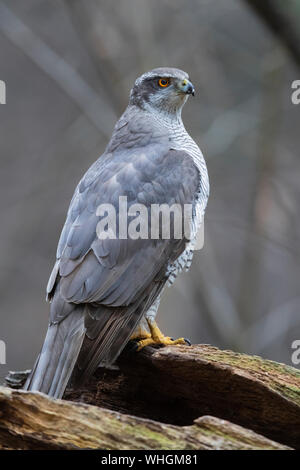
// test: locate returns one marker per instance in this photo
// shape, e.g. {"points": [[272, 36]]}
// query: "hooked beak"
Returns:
{"points": [[187, 87]]}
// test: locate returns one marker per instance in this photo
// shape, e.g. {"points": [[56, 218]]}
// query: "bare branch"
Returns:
{"points": [[98, 111], [275, 15]]}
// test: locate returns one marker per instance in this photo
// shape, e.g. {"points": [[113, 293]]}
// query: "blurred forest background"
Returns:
{"points": [[69, 66]]}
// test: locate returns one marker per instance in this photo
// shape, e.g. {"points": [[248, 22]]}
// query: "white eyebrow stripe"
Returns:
{"points": [[156, 73]]}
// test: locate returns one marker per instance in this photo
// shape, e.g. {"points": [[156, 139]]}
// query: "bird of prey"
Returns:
{"points": [[105, 291]]}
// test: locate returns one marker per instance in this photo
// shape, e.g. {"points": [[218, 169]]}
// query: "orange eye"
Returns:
{"points": [[164, 82]]}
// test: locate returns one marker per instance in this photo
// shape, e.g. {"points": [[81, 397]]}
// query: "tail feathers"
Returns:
{"points": [[107, 333], [58, 356], [106, 345]]}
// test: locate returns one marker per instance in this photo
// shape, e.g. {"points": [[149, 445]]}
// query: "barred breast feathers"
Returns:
{"points": [[181, 140]]}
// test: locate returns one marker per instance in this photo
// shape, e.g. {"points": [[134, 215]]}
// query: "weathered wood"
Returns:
{"points": [[170, 391], [34, 421], [178, 384]]}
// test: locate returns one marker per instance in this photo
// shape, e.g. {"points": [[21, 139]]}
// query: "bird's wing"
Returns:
{"points": [[113, 272], [118, 279]]}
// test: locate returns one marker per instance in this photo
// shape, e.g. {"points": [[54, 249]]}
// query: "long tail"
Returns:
{"points": [[58, 356], [80, 338]]}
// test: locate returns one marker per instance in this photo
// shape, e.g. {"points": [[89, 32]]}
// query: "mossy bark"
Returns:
{"points": [[34, 421], [181, 397]]}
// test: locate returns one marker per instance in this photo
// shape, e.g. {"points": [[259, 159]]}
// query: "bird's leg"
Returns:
{"points": [[157, 337], [148, 333], [140, 333], [141, 338]]}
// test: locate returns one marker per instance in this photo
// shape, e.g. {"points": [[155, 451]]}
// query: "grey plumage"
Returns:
{"points": [[100, 289], [58, 356]]}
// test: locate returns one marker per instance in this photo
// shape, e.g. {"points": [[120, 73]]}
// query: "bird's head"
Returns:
{"points": [[164, 89]]}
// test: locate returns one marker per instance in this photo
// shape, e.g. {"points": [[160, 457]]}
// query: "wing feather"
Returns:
{"points": [[117, 280], [86, 263]]}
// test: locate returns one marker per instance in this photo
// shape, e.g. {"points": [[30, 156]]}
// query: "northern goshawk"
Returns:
{"points": [[105, 291]]}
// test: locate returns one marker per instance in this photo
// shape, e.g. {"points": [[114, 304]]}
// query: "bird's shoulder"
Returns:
{"points": [[140, 155]]}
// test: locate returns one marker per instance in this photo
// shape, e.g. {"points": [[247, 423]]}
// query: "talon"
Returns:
{"points": [[143, 338], [132, 346], [188, 342], [157, 337], [144, 342]]}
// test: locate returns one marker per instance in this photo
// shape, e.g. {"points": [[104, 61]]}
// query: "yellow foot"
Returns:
{"points": [[140, 334], [157, 337]]}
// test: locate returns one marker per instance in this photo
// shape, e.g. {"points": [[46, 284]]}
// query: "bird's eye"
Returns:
{"points": [[164, 82]]}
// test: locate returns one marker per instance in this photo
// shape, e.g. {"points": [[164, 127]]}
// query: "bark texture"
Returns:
{"points": [[181, 397]]}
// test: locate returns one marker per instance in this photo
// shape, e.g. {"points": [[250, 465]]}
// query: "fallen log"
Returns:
{"points": [[181, 397], [34, 421]]}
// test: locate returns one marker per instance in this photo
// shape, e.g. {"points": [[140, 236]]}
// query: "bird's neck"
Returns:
{"points": [[169, 117]]}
